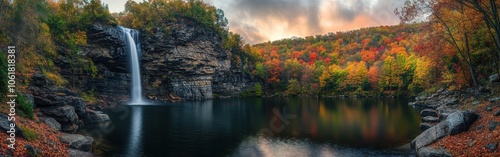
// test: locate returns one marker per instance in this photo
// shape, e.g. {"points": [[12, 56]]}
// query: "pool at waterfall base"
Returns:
{"points": [[260, 127]]}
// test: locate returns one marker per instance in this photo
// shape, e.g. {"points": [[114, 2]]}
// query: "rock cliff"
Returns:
{"points": [[185, 60]]}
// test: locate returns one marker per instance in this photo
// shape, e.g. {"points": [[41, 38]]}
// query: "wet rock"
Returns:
{"points": [[489, 109], [51, 122], [492, 146], [430, 119], [428, 112], [497, 113], [431, 152], [79, 153], [77, 141]]}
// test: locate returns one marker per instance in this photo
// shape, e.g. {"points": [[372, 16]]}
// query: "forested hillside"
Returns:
{"points": [[453, 49]]}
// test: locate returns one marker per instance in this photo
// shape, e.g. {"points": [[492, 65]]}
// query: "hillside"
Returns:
{"points": [[385, 60]]}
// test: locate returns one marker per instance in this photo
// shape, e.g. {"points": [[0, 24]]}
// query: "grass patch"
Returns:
{"points": [[56, 78], [29, 134], [89, 96]]}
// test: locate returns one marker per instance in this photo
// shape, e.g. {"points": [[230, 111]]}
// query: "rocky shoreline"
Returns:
{"points": [[63, 110], [447, 113]]}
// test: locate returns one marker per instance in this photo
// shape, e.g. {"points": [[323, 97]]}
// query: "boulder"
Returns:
{"points": [[456, 123], [5, 125], [428, 112], [78, 104], [63, 114], [95, 117], [79, 153], [51, 122], [76, 141], [460, 121], [430, 135], [431, 152]]}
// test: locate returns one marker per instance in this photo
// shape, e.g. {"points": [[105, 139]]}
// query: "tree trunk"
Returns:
{"points": [[473, 76]]}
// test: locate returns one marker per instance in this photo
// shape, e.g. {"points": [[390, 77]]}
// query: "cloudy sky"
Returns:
{"points": [[267, 20]]}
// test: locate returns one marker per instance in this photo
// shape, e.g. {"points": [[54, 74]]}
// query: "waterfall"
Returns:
{"points": [[134, 49]]}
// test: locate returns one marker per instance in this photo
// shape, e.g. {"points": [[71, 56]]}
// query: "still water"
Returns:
{"points": [[260, 127]]}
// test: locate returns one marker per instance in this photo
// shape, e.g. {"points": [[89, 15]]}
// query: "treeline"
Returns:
{"points": [[47, 32], [388, 60]]}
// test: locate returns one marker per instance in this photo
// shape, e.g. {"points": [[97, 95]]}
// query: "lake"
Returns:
{"points": [[260, 127]]}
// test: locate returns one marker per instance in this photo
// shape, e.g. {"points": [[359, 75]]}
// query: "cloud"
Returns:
{"points": [[263, 20]]}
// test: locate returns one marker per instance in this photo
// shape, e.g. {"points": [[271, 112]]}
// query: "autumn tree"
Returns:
{"points": [[456, 22]]}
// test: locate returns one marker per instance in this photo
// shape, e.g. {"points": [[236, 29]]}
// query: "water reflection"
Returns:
{"points": [[234, 127], [269, 147], [134, 145]]}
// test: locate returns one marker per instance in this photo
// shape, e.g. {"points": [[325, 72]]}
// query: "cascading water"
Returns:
{"points": [[133, 48]]}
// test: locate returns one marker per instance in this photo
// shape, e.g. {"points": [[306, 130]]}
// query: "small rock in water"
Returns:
{"points": [[492, 146], [497, 113]]}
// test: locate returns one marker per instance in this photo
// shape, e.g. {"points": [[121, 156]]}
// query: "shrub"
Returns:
{"points": [[29, 134], [24, 107], [89, 96], [3, 76]]}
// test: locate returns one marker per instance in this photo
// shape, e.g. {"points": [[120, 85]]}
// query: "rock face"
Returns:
{"points": [[187, 61]]}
